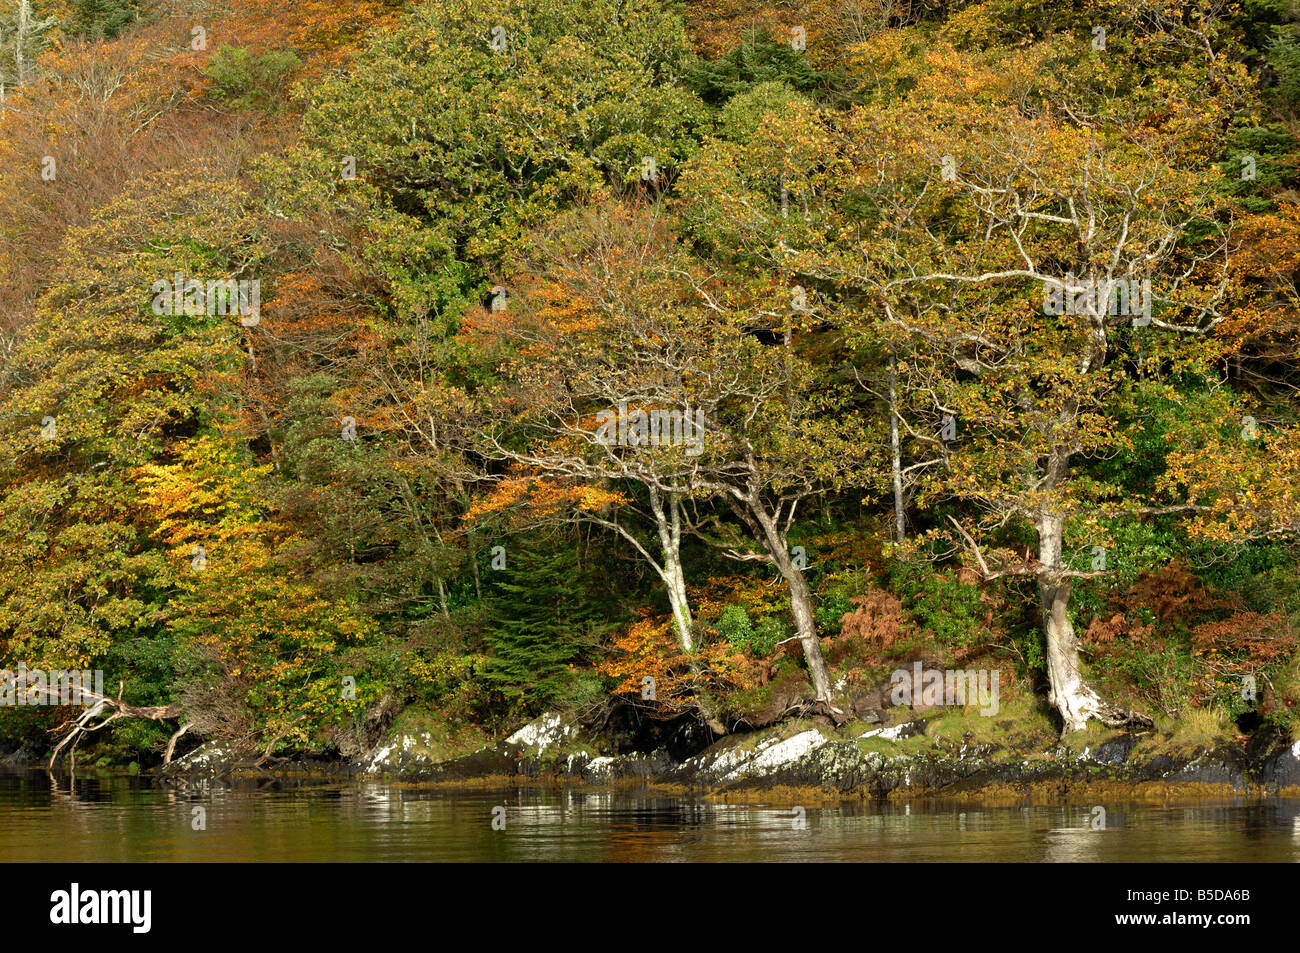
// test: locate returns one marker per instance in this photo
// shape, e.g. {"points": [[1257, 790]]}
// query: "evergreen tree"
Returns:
{"points": [[547, 614], [758, 59], [101, 19]]}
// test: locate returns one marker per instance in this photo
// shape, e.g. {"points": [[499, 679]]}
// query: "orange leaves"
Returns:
{"points": [[1237, 643], [648, 649], [545, 311], [504, 495], [324, 33], [715, 26], [1172, 592], [542, 496], [1264, 269], [1241, 645], [1105, 631], [749, 591], [295, 293], [592, 498], [876, 619], [1258, 637]]}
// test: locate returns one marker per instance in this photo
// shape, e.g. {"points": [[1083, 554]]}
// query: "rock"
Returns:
{"points": [[208, 757], [21, 757], [1225, 765], [544, 732], [549, 750], [607, 770], [1157, 768], [736, 762], [897, 732], [1281, 769], [401, 753], [1115, 751], [862, 703]]}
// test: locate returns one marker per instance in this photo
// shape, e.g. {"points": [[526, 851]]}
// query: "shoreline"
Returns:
{"points": [[796, 764]]}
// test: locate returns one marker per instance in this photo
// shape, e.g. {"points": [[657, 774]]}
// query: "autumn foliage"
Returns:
{"points": [[833, 229]]}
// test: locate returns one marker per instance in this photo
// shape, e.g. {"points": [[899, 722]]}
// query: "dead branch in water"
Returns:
{"points": [[85, 723]]}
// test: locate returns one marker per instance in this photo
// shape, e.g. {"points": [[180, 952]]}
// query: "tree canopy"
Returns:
{"points": [[694, 360]]}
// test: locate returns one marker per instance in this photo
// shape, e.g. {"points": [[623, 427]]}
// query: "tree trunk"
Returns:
{"points": [[669, 524], [800, 603], [896, 456], [675, 583], [1074, 700], [24, 27], [806, 629]]}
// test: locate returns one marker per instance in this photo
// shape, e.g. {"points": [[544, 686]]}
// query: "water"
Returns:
{"points": [[107, 818]]}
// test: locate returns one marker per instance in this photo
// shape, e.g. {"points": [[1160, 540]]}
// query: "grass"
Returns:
{"points": [[1021, 726], [1198, 728], [444, 740]]}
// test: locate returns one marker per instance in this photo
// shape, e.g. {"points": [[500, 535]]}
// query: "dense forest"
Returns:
{"points": [[370, 363]]}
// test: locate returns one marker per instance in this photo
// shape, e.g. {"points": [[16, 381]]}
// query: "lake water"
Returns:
{"points": [[110, 818]]}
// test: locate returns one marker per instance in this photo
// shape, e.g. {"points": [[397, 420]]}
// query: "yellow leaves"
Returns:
{"points": [[593, 498], [1244, 488], [207, 494]]}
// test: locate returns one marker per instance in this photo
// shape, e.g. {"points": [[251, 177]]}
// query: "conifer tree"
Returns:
{"points": [[546, 615]]}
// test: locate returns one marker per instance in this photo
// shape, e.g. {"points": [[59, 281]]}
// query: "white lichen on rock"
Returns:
{"points": [[766, 757], [543, 732], [894, 733]]}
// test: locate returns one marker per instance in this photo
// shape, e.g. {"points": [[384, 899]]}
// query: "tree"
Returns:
{"points": [[26, 34], [126, 478], [545, 618], [641, 373], [101, 19], [601, 331], [468, 124], [99, 387], [944, 225]]}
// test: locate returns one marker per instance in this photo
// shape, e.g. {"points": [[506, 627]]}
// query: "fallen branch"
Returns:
{"points": [[85, 723], [171, 745]]}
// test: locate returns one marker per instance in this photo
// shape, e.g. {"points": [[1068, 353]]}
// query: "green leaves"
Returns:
{"points": [[458, 146], [757, 60], [546, 614], [243, 78]]}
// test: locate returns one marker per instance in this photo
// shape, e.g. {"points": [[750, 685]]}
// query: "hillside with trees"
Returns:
{"points": [[676, 365]]}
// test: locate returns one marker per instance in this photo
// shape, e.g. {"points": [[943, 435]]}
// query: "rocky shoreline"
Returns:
{"points": [[808, 765], [803, 762]]}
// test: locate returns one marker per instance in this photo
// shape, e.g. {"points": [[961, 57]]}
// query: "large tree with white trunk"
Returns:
{"points": [[1037, 270], [1086, 265], [603, 345]]}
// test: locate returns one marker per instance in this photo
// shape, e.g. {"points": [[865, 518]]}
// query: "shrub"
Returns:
{"points": [[940, 602], [734, 626], [242, 79], [740, 633], [741, 117], [836, 600]]}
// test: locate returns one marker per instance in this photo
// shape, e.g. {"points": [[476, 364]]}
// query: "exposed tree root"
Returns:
{"points": [[1080, 703]]}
